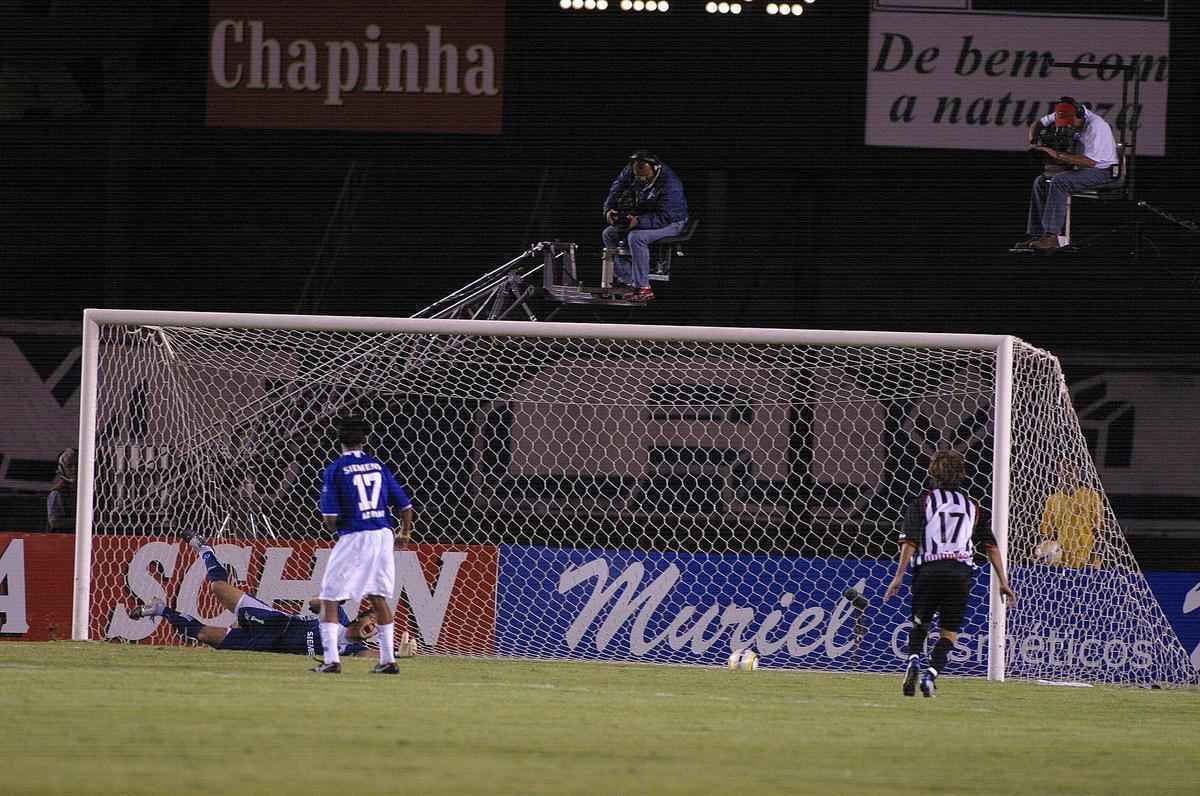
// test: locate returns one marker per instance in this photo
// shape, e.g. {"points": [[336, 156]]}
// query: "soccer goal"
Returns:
{"points": [[605, 492]]}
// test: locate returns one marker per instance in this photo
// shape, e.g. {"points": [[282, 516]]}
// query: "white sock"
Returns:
{"points": [[387, 649], [329, 640]]}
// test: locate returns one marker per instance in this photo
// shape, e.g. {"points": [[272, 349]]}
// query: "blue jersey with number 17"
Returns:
{"points": [[357, 489]]}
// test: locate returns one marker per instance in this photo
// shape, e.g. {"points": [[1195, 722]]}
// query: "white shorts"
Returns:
{"points": [[246, 601], [361, 563]]}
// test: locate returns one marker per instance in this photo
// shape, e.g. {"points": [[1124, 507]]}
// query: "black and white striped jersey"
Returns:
{"points": [[944, 525]]}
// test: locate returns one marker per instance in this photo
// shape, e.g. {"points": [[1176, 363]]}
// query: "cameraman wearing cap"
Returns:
{"points": [[645, 203], [1092, 138]]}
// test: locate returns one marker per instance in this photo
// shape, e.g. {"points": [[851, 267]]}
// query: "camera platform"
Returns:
{"points": [[587, 294], [536, 284], [562, 281], [1064, 247]]}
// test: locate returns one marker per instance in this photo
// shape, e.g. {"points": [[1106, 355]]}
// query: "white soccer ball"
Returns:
{"points": [[743, 660], [1048, 552]]}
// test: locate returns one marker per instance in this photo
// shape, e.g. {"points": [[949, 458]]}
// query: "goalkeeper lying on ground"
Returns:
{"points": [[259, 627]]}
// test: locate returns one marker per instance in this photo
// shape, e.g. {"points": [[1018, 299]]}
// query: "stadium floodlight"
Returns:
{"points": [[772, 8], [627, 463], [565, 5], [723, 7], [710, 7], [735, 8]]}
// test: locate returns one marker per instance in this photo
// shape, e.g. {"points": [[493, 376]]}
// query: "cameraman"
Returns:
{"points": [[1076, 128], [645, 203]]}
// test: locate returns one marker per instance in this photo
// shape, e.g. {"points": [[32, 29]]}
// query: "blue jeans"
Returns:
{"points": [[1048, 204], [637, 272]]}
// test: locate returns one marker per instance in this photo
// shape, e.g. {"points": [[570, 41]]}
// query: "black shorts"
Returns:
{"points": [[942, 587], [257, 630]]}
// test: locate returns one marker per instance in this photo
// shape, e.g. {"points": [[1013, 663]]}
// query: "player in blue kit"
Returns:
{"points": [[356, 493], [259, 628]]}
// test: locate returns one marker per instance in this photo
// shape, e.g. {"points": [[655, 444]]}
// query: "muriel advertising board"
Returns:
{"points": [[680, 607], [424, 66]]}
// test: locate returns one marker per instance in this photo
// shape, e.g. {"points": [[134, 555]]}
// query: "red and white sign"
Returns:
{"points": [[450, 590], [36, 574], [425, 66]]}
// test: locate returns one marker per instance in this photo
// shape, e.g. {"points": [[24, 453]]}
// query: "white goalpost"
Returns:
{"points": [[606, 492]]}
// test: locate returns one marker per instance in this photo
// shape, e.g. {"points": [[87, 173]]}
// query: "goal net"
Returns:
{"points": [[655, 494]]}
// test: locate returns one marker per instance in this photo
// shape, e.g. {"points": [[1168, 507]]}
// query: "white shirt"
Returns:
{"points": [[1096, 138]]}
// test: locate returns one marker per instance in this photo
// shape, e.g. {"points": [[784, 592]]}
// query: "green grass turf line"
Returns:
{"points": [[91, 717]]}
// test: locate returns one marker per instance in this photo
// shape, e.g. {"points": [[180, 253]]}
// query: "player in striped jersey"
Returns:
{"points": [[940, 533]]}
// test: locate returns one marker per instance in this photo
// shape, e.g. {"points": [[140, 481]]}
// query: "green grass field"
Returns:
{"points": [[102, 718]]}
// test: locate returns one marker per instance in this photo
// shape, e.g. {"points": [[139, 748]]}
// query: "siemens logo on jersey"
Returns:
{"points": [[362, 468]]}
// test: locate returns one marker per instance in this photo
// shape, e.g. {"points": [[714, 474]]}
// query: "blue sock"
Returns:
{"points": [[216, 570], [185, 624]]}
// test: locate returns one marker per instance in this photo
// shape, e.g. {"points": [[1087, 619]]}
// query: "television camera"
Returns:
{"points": [[1060, 139], [626, 202]]}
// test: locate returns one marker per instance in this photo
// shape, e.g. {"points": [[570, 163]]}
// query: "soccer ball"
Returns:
{"points": [[743, 660], [1048, 552]]}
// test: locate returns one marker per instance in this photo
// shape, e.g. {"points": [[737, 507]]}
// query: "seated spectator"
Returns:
{"points": [[60, 503]]}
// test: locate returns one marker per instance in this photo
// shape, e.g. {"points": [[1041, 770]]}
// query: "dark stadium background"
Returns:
{"points": [[134, 203]]}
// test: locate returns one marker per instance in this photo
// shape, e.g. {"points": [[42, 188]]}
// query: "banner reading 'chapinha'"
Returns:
{"points": [[425, 66]]}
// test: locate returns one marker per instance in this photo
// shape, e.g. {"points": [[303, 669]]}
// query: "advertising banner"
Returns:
{"points": [[1179, 595], [423, 66], [37, 571], [448, 590], [668, 607], [698, 608], [662, 607], [1143, 432], [966, 75]]}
